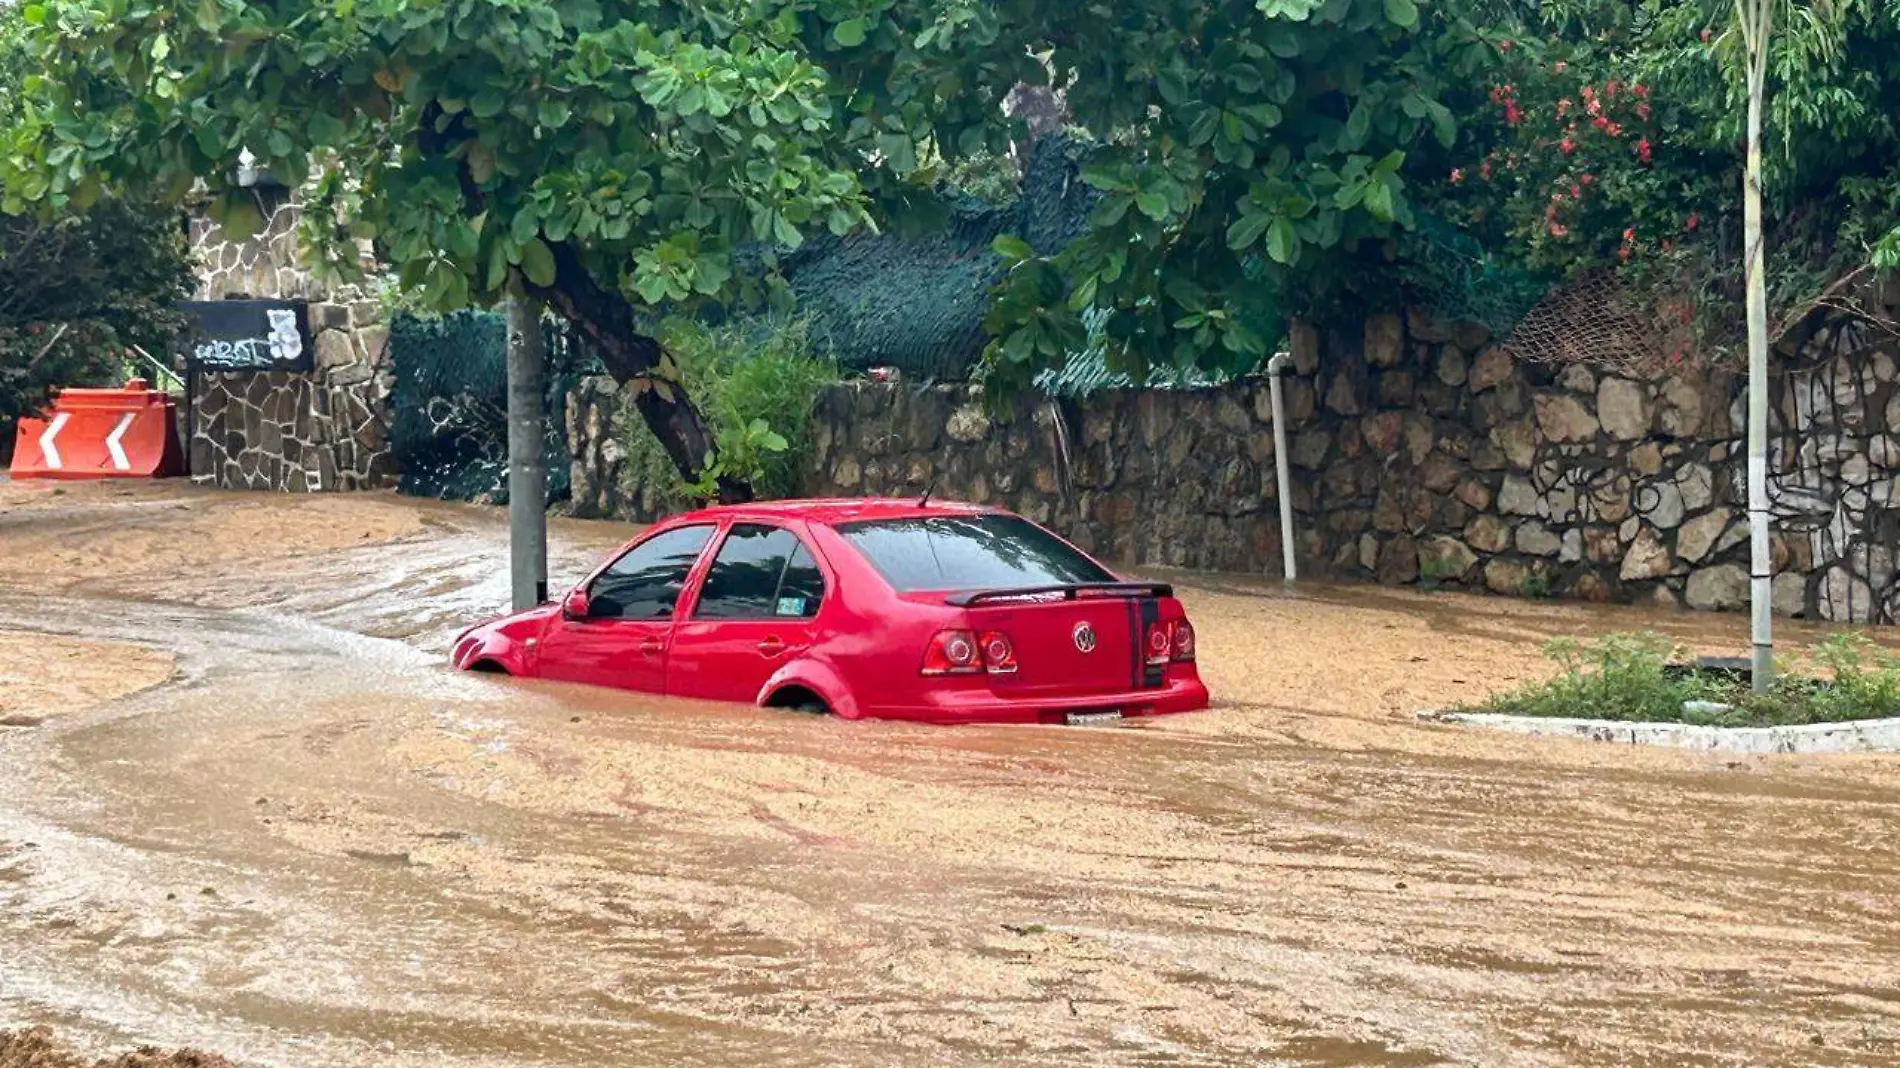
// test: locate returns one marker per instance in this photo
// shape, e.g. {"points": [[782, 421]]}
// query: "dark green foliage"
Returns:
{"points": [[77, 291], [449, 432], [1635, 678], [78, 288]]}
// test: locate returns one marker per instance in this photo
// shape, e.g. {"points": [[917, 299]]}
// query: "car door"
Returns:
{"points": [[623, 639], [755, 610]]}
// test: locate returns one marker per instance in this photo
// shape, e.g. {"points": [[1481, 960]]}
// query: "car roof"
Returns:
{"points": [[834, 510]]}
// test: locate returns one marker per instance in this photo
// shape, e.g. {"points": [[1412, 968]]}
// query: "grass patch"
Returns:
{"points": [[1641, 678]]}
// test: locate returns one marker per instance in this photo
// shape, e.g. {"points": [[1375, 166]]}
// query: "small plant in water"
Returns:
{"points": [[1644, 678]]}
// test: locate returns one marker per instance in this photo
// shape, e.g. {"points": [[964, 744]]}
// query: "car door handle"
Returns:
{"points": [[651, 647], [771, 646]]}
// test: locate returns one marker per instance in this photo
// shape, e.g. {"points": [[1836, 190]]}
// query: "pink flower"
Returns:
{"points": [[1694, 221], [1601, 122], [1614, 130], [1641, 91], [1642, 112], [1566, 146], [1642, 150], [1563, 108], [1484, 170], [1559, 230], [1561, 66], [1513, 115], [1457, 175], [1629, 236], [1504, 45], [1587, 179]]}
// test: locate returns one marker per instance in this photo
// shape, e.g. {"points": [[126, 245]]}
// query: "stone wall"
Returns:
{"points": [[1420, 453], [324, 430]]}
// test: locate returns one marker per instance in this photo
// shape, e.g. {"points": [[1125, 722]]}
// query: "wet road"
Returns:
{"points": [[316, 846]]}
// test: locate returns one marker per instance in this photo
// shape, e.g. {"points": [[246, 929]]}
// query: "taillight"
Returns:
{"points": [[999, 656], [1183, 640], [952, 652], [1160, 643], [959, 652]]}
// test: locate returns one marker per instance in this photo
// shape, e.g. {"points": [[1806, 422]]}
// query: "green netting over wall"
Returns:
{"points": [[917, 304], [1450, 274], [449, 432]]}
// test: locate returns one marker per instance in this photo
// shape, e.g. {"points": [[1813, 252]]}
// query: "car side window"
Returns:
{"points": [[645, 583], [748, 577], [802, 587]]}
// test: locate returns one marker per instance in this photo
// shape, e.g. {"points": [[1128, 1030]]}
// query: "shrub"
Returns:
{"points": [[756, 381], [1639, 678]]}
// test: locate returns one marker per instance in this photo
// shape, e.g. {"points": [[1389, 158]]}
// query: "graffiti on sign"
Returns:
{"points": [[248, 335]]}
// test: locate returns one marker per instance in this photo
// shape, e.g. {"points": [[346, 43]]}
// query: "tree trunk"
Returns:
{"points": [[1757, 27], [606, 320]]}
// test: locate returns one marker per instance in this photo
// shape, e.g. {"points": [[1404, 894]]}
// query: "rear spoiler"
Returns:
{"points": [[1069, 592]]}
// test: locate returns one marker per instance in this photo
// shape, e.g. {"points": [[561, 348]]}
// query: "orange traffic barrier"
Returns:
{"points": [[102, 433]]}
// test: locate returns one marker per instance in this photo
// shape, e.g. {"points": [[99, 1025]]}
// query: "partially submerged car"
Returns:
{"points": [[896, 609]]}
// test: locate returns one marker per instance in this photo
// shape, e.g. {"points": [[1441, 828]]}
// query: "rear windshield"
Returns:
{"points": [[969, 552]]}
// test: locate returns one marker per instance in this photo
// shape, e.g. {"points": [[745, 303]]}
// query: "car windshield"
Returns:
{"points": [[969, 552]]}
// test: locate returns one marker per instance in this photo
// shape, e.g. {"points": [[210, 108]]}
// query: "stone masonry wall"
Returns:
{"points": [[1421, 453], [324, 430]]}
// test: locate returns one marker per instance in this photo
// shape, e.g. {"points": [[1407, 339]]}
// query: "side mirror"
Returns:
{"points": [[575, 606]]}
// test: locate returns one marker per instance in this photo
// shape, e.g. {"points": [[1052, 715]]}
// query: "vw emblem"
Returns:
{"points": [[1084, 637]]}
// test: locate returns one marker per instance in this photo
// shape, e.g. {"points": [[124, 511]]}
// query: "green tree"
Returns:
{"points": [[78, 287], [1258, 158], [608, 157]]}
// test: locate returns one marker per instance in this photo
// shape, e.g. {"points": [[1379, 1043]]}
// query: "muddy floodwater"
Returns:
{"points": [[252, 812]]}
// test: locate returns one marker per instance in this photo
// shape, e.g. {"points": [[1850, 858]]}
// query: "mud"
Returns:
{"points": [[316, 846], [36, 1047]]}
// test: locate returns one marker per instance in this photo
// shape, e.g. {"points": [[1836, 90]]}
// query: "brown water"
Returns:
{"points": [[316, 846]]}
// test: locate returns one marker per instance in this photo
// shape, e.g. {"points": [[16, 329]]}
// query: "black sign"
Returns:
{"points": [[247, 335]]}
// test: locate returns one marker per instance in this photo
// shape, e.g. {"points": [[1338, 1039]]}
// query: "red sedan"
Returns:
{"points": [[920, 610]]}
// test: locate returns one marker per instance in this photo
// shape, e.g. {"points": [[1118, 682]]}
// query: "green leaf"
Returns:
{"points": [[1283, 241], [1379, 201], [326, 130], [1013, 249], [34, 14], [784, 232], [1152, 204], [278, 143], [537, 262], [1401, 13], [1295, 10], [553, 114], [849, 33], [1358, 124], [161, 48], [899, 151], [1245, 231]]}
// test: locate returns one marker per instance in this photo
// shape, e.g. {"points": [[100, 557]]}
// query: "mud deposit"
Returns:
{"points": [[315, 846]]}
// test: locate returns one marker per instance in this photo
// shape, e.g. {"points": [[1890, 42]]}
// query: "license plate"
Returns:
{"points": [[1092, 719]]}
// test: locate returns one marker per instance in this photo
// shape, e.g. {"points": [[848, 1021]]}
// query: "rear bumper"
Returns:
{"points": [[985, 706]]}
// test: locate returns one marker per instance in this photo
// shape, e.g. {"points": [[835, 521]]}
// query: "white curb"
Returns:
{"points": [[1859, 736]]}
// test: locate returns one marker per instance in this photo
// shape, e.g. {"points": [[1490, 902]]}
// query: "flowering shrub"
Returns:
{"points": [[1566, 165]]}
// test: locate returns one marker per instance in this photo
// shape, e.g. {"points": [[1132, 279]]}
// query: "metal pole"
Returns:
{"points": [[1756, 18], [1280, 464], [527, 454]]}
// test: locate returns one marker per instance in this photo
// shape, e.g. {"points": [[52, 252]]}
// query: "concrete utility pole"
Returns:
{"points": [[1757, 24], [527, 454]]}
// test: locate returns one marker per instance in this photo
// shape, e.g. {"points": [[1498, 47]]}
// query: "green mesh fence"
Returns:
{"points": [[917, 304], [1457, 280], [449, 433]]}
